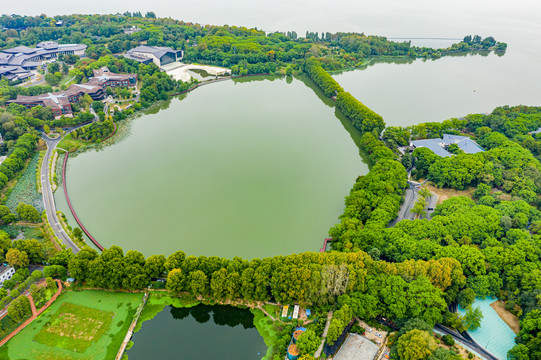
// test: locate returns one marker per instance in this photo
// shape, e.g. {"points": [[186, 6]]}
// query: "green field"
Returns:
{"points": [[79, 325], [75, 327]]}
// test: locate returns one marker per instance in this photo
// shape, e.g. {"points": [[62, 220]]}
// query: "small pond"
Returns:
{"points": [[200, 332]]}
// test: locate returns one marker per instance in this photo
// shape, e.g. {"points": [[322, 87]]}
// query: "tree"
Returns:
{"points": [[198, 283], [176, 281], [16, 258], [98, 106], [472, 318], [519, 352], [466, 297], [55, 271], [28, 213], [448, 340], [78, 233], [308, 342], [20, 309], [33, 248], [46, 129], [51, 284], [528, 336], [415, 345], [154, 266], [53, 79]]}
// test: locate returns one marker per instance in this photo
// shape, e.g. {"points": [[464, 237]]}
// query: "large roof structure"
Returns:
{"points": [[17, 62], [157, 51], [27, 57], [357, 347], [439, 146], [60, 102]]}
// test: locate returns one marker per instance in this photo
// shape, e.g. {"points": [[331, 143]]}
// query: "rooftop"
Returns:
{"points": [[438, 145], [157, 51], [4, 268], [357, 347]]}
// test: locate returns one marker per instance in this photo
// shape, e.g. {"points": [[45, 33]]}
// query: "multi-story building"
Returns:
{"points": [[60, 101], [6, 273], [159, 55], [16, 63]]}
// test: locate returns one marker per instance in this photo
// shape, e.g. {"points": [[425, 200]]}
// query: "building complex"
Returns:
{"points": [[16, 63], [440, 146], [60, 102]]}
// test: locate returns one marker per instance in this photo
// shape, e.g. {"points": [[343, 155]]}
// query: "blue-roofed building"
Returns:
{"points": [[465, 143], [439, 146]]}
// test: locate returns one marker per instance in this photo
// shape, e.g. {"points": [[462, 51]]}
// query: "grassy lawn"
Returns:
{"points": [[267, 329], [79, 325], [74, 327], [274, 310], [71, 144]]}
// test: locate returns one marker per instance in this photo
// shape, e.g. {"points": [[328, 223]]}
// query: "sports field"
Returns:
{"points": [[79, 325]]}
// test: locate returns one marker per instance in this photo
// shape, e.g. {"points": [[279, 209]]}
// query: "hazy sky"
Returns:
{"points": [[414, 18]]}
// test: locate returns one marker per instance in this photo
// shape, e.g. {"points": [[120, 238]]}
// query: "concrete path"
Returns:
{"points": [[324, 335], [48, 198], [129, 334]]}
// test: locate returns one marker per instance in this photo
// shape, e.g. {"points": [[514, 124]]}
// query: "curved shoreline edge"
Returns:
{"points": [[79, 222], [71, 208], [64, 185]]}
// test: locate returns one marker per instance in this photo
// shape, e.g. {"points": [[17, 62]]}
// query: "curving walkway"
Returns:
{"points": [[35, 313], [71, 207]]}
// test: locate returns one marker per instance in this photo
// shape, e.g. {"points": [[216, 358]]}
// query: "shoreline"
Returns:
{"points": [[72, 210]]}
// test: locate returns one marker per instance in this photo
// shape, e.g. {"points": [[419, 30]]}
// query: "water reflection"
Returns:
{"points": [[221, 315], [199, 332]]}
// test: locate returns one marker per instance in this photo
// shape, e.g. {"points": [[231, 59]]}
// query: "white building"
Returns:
{"points": [[6, 273]]}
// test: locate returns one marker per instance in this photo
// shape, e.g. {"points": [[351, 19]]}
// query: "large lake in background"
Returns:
{"points": [[250, 168]]}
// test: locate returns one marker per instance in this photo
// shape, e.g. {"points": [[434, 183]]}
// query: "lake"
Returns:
{"points": [[250, 168], [200, 332]]}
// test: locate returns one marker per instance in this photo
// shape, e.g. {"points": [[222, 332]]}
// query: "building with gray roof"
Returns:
{"points": [[439, 146], [18, 61], [158, 54], [357, 347], [60, 102]]}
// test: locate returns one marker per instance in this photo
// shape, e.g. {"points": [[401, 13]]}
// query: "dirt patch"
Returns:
{"points": [[444, 194], [510, 319]]}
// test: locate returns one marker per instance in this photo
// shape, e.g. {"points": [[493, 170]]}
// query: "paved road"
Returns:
{"points": [[48, 199], [410, 198], [465, 339]]}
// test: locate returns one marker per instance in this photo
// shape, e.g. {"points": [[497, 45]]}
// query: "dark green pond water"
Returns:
{"points": [[197, 333]]}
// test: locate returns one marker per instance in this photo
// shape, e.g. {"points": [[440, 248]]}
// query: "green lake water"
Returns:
{"points": [[200, 332], [247, 168]]}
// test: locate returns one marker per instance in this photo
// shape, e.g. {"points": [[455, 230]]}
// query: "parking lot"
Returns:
{"points": [[373, 334]]}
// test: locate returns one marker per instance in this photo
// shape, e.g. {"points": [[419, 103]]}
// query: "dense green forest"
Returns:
{"points": [[246, 51]]}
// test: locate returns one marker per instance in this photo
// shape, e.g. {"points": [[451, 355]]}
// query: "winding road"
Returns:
{"points": [[48, 198]]}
